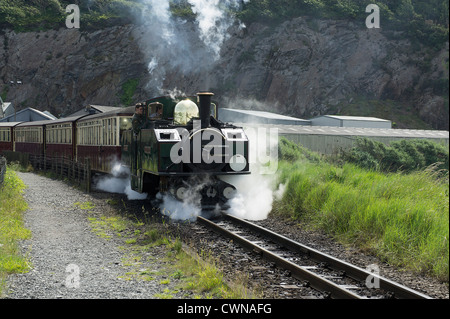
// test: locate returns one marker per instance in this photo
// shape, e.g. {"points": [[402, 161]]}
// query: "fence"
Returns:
{"points": [[2, 170], [78, 173]]}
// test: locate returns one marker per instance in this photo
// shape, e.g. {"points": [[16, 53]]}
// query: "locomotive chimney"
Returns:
{"points": [[204, 101]]}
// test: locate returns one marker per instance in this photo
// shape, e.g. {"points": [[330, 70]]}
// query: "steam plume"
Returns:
{"points": [[190, 207], [173, 44], [119, 183]]}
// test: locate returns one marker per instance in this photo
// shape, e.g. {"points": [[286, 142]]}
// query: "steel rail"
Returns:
{"points": [[351, 271], [297, 271]]}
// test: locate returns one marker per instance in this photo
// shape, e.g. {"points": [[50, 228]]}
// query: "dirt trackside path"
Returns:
{"points": [[68, 260]]}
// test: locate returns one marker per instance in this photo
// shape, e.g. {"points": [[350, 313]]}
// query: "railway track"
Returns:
{"points": [[333, 277]]}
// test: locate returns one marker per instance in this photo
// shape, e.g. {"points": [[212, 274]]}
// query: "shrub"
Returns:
{"points": [[403, 155]]}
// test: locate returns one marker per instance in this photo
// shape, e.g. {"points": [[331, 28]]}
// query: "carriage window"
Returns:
{"points": [[108, 132], [125, 123], [113, 131]]}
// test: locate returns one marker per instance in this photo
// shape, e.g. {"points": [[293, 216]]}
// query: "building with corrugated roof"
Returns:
{"points": [[28, 115], [250, 116], [94, 109], [329, 139], [6, 109], [350, 121]]}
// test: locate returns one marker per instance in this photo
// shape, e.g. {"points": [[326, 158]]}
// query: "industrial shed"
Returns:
{"points": [[250, 116], [29, 115], [350, 121], [6, 109], [329, 140]]}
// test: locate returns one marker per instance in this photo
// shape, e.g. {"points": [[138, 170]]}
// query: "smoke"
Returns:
{"points": [[119, 183], [256, 192], [255, 195], [213, 20], [172, 44], [177, 210], [190, 207]]}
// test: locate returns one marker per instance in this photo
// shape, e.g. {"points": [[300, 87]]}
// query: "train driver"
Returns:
{"points": [[139, 121]]}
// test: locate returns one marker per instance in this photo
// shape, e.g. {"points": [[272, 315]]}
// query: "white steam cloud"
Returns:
{"points": [[190, 207], [119, 183], [173, 44], [214, 21], [257, 191]]}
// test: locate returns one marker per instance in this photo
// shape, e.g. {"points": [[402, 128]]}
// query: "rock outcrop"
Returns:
{"points": [[301, 67]]}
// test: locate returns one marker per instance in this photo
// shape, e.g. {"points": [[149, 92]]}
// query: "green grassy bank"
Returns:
{"points": [[401, 217], [12, 206]]}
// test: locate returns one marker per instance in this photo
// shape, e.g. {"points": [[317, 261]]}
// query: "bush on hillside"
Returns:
{"points": [[403, 155]]}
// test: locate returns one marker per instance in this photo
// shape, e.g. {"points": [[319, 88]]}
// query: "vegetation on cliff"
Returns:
{"points": [[425, 21]]}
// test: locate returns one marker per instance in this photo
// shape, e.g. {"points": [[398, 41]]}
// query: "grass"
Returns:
{"points": [[177, 269], [402, 218], [12, 230], [201, 275]]}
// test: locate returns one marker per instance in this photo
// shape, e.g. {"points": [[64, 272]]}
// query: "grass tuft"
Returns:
{"points": [[12, 230]]}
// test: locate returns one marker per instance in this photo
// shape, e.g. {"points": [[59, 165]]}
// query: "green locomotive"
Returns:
{"points": [[182, 148]]}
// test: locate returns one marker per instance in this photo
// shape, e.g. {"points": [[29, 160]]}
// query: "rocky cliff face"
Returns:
{"points": [[62, 71], [301, 68], [314, 67]]}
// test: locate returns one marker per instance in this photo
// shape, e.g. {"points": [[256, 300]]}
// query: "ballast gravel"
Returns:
{"points": [[68, 260]]}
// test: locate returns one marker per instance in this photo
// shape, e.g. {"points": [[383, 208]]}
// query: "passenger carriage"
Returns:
{"points": [[29, 137], [98, 138], [7, 136], [61, 137]]}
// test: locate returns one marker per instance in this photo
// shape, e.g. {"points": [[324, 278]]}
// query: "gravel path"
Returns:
{"points": [[68, 260]]}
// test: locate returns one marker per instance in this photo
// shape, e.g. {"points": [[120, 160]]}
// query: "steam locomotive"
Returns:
{"points": [[185, 150]]}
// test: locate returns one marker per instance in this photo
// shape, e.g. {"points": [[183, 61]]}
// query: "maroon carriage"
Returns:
{"points": [[98, 138], [61, 137], [7, 136], [30, 137]]}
